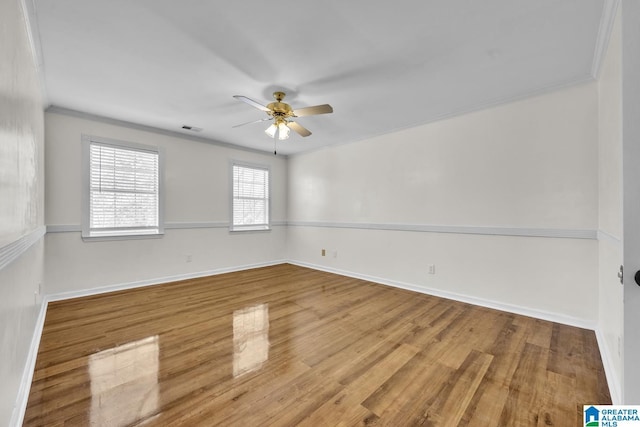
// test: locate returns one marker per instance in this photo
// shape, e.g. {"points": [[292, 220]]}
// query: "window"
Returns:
{"points": [[122, 189], [250, 204]]}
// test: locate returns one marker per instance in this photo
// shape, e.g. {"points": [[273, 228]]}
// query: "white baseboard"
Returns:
{"points": [[525, 311], [158, 280], [615, 388], [17, 417]]}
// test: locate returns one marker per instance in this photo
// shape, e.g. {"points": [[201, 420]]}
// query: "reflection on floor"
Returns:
{"points": [[250, 338], [130, 369]]}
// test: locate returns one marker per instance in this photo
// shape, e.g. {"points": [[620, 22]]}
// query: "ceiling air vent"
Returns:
{"points": [[192, 128]]}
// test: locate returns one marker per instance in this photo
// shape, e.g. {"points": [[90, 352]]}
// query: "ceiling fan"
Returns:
{"points": [[281, 113]]}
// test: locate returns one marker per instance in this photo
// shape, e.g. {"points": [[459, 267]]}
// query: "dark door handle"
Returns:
{"points": [[637, 277]]}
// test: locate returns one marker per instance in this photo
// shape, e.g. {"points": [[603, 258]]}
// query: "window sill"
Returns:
{"points": [[253, 229], [123, 236]]}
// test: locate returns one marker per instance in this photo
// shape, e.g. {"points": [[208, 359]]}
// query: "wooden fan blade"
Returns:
{"points": [[300, 130], [254, 121], [311, 111], [251, 102]]}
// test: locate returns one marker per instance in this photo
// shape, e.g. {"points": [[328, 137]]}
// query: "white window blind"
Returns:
{"points": [[124, 196], [250, 198]]}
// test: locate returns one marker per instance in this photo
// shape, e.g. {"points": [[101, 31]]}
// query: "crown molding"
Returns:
{"points": [[607, 20], [56, 109], [485, 105], [33, 33]]}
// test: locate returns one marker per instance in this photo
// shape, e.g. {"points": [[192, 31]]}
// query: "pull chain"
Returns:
{"points": [[274, 147]]}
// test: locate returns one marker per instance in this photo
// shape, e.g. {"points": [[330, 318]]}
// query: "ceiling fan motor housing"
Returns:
{"points": [[279, 108]]}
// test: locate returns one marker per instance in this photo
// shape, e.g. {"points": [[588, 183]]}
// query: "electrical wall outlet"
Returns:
{"points": [[189, 258], [335, 254], [431, 268], [324, 252]]}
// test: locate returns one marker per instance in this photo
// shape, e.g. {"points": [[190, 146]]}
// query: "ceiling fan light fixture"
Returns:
{"points": [[271, 130], [281, 113], [283, 131]]}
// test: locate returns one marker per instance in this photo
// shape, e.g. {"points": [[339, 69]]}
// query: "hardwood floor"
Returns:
{"points": [[286, 345]]}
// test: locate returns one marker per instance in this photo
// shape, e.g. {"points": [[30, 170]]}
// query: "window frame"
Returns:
{"points": [[247, 228], [122, 234]]}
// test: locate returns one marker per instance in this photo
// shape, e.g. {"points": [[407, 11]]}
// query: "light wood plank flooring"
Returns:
{"points": [[286, 345]]}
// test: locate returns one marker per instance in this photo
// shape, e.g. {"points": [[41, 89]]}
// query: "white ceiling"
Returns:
{"points": [[383, 66]]}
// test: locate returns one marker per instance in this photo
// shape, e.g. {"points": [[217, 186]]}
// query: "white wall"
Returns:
{"points": [[21, 203], [630, 16], [610, 301], [196, 212], [437, 194]]}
